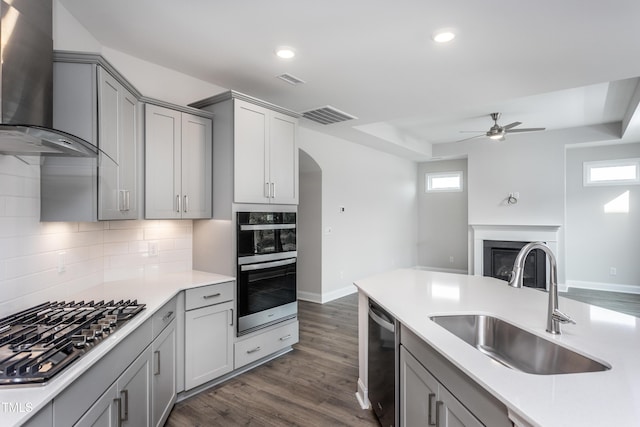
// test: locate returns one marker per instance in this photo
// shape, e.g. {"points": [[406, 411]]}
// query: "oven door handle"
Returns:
{"points": [[264, 265], [252, 227]]}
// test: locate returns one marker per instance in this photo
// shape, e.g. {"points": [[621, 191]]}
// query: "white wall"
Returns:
{"points": [[309, 231], [378, 230], [443, 221], [597, 241]]}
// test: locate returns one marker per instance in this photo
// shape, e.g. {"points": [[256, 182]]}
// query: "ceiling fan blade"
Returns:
{"points": [[471, 137], [525, 130], [511, 125], [473, 131]]}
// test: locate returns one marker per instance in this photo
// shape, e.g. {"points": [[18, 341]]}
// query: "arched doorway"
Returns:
{"points": [[309, 268]]}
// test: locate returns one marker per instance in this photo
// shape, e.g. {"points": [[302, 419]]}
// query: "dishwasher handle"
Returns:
{"points": [[381, 318]]}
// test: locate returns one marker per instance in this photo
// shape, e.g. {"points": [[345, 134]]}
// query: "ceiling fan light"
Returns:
{"points": [[443, 36], [496, 136]]}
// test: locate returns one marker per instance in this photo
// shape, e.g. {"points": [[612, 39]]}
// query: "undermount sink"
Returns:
{"points": [[516, 348]]}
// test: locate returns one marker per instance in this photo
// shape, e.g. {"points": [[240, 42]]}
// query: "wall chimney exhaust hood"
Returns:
{"points": [[26, 84]]}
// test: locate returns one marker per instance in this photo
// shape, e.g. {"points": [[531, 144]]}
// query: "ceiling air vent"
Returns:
{"points": [[292, 80], [327, 115]]}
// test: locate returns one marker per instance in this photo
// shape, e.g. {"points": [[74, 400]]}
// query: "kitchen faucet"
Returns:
{"points": [[554, 316]]}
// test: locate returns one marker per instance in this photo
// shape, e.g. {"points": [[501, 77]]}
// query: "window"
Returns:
{"points": [[443, 182], [612, 172]]}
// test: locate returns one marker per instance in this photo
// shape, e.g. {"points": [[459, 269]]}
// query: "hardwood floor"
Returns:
{"points": [[623, 302], [313, 385]]}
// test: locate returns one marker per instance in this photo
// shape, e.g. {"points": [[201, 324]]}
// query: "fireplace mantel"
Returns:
{"points": [[514, 233]]}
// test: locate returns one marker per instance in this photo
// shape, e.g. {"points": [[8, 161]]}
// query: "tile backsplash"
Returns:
{"points": [[42, 261]]}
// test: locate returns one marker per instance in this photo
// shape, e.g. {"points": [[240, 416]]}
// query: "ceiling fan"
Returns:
{"points": [[497, 132]]}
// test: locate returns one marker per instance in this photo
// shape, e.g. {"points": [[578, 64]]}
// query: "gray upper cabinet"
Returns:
{"points": [[95, 103], [118, 118], [178, 150], [255, 152]]}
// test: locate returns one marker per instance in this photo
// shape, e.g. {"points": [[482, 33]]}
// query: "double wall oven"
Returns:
{"points": [[266, 276]]}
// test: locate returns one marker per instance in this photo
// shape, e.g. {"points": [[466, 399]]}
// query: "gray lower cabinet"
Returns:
{"points": [[163, 388], [433, 392], [426, 402], [126, 402]]}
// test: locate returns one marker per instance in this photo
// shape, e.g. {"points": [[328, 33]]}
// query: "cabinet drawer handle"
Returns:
{"points": [[286, 337], [212, 295], [253, 350], [178, 203], [167, 316], [439, 404], [157, 355], [431, 397], [126, 404]]}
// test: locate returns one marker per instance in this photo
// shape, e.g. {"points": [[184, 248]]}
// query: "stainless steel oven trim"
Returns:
{"points": [[265, 265], [253, 227], [251, 322], [252, 259]]}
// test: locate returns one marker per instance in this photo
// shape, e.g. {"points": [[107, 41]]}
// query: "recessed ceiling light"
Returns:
{"points": [[285, 52], [443, 36]]}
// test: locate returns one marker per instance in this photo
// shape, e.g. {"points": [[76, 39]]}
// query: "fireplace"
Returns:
{"points": [[499, 256]]}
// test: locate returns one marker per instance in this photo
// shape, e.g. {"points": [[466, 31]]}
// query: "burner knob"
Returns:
{"points": [[97, 330]]}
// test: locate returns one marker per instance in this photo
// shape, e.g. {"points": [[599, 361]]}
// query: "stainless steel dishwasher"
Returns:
{"points": [[382, 372]]}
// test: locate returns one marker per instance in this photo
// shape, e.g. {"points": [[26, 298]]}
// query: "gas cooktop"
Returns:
{"points": [[38, 343]]}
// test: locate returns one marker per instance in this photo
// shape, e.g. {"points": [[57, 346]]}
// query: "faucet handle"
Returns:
{"points": [[561, 317]]}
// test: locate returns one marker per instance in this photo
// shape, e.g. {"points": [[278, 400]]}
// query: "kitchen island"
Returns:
{"points": [[604, 398]]}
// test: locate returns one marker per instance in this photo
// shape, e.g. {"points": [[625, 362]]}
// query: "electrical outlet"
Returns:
{"points": [[153, 249], [61, 265], [341, 209]]}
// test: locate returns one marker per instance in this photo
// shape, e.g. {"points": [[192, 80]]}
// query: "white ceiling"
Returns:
{"points": [[546, 63]]}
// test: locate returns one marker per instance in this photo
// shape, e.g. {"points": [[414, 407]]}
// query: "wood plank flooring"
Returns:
{"points": [[618, 301], [313, 385]]}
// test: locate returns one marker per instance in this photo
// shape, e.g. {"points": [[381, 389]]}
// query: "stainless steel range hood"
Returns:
{"points": [[26, 84]]}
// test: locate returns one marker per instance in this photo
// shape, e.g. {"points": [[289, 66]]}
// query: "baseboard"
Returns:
{"points": [[339, 293], [330, 296], [361, 396], [441, 270], [598, 286], [310, 296]]}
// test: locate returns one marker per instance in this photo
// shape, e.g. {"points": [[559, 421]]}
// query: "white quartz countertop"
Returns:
{"points": [[608, 398], [18, 403]]}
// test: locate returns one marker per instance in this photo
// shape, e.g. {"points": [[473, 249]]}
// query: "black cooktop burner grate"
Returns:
{"points": [[39, 342]]}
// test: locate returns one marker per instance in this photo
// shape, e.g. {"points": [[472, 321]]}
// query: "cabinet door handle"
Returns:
{"points": [[273, 190], [128, 199], [431, 397], [253, 350], [126, 404], [167, 316], [267, 190], [212, 295], [231, 310], [439, 404], [118, 403], [178, 203], [186, 203], [286, 337], [121, 201], [157, 355]]}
